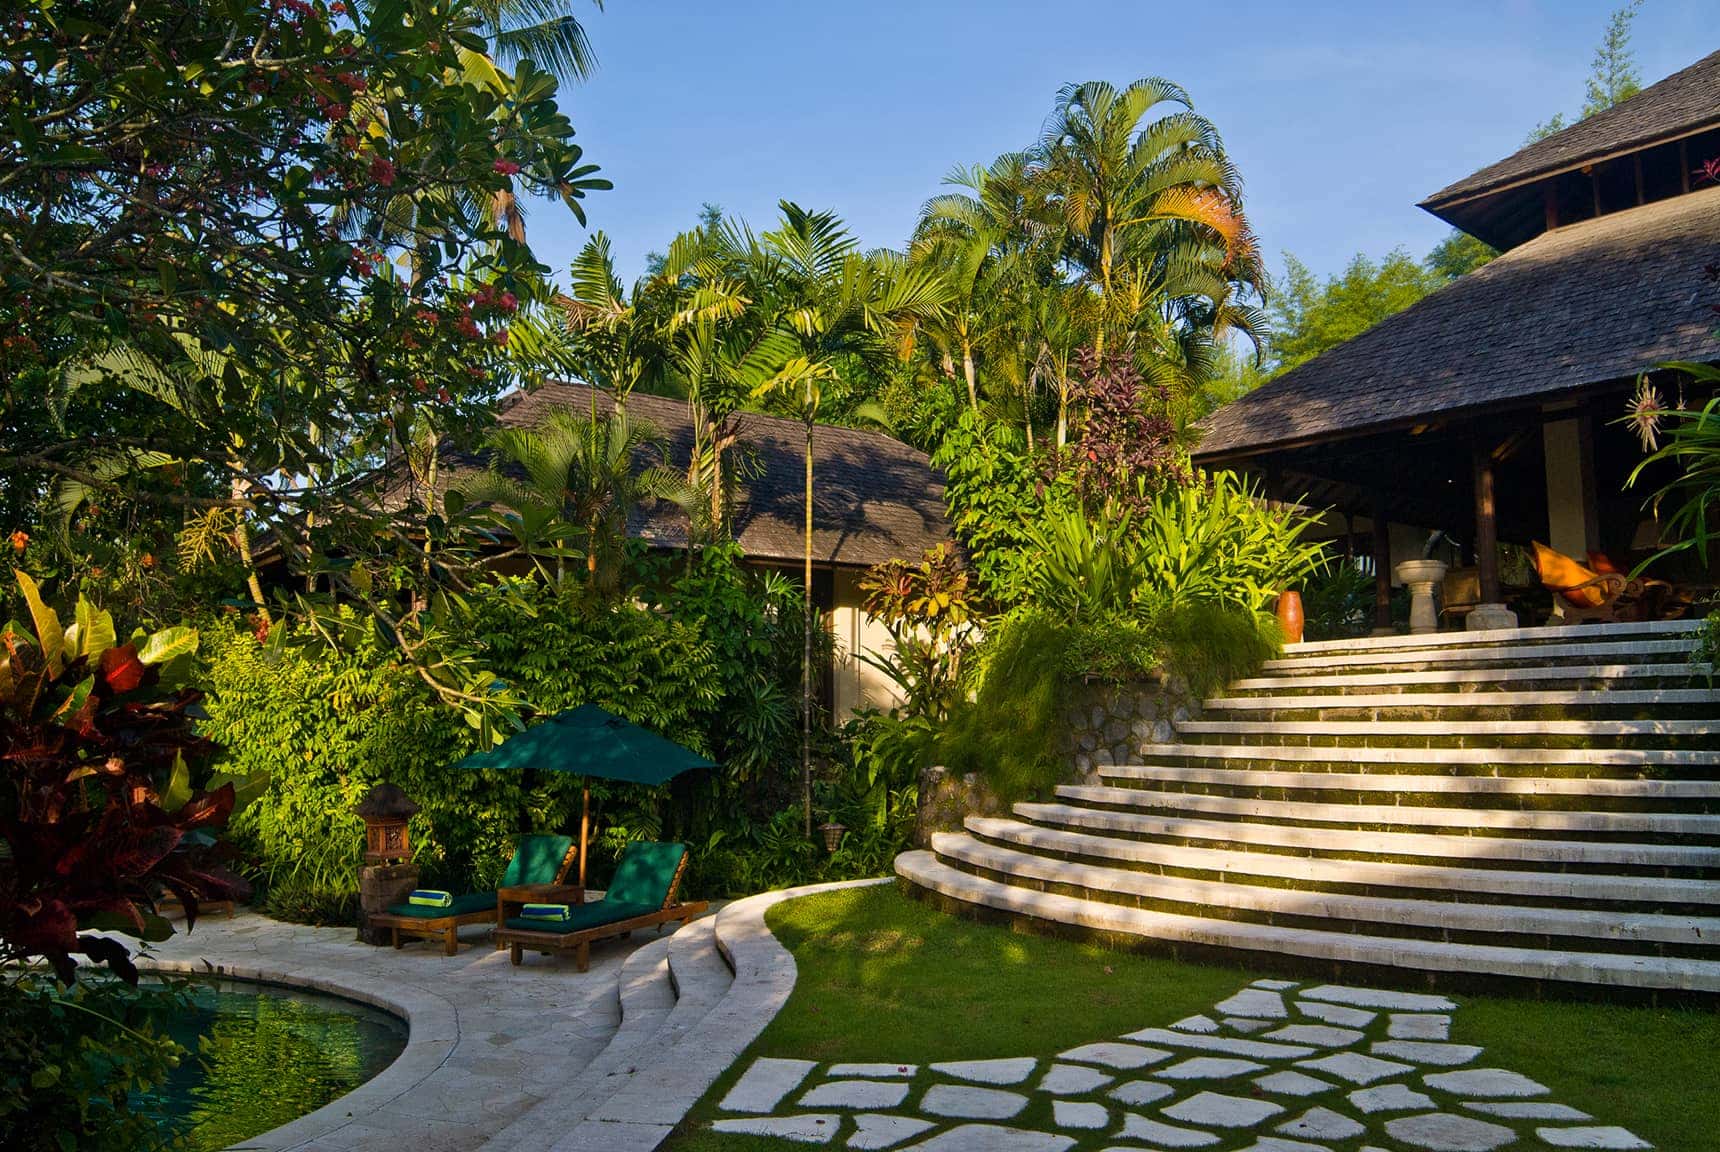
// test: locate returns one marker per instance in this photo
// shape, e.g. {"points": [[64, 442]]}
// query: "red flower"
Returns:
{"points": [[382, 171], [505, 167], [508, 302]]}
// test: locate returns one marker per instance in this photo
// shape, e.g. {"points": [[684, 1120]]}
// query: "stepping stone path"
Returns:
{"points": [[1276, 1067]]}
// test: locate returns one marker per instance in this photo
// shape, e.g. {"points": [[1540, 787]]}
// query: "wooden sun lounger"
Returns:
{"points": [[579, 940], [472, 908]]}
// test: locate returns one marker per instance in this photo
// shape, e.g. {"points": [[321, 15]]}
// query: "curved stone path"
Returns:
{"points": [[1277, 1067]]}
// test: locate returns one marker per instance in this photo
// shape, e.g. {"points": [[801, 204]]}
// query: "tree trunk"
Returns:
{"points": [[967, 371], [806, 648], [242, 541]]}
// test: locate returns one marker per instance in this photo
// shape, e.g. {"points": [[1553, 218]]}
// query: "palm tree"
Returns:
{"points": [[581, 480], [1153, 213], [836, 303], [617, 342]]}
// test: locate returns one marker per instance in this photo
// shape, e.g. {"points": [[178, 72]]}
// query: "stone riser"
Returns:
{"points": [[1635, 652], [1610, 763], [1529, 702], [1394, 915], [1500, 851], [1532, 675], [1423, 881], [1500, 788], [1429, 798], [1366, 812], [1623, 632], [923, 870], [1382, 734]]}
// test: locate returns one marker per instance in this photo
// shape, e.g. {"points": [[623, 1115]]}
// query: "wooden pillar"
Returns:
{"points": [[1382, 568], [1586, 468], [1550, 206], [1486, 524]]}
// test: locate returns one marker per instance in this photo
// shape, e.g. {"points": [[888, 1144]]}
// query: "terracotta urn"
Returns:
{"points": [[1290, 616]]}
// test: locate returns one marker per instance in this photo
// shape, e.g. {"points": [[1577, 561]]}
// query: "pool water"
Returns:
{"points": [[261, 1055]]}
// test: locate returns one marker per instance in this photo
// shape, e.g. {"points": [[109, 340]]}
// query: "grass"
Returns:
{"points": [[886, 978]]}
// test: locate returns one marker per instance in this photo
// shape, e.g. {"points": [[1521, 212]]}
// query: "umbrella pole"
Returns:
{"points": [[584, 828]]}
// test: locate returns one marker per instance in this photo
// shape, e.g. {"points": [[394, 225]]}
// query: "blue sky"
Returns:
{"points": [[1341, 116]]}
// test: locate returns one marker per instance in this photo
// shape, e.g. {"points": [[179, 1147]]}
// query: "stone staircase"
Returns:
{"points": [[1538, 804]]}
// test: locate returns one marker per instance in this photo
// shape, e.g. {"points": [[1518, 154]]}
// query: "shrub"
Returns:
{"points": [[1209, 645], [1009, 730]]}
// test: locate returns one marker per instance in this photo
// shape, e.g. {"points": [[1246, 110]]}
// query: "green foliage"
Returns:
{"points": [[1613, 74], [1210, 644], [1338, 601], [930, 617], [71, 1057], [1009, 731], [1459, 254], [1311, 316]]}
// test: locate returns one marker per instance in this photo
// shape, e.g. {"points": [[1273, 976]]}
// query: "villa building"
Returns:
{"points": [[1491, 410]]}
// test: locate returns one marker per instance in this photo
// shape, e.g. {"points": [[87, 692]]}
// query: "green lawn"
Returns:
{"points": [[883, 978]]}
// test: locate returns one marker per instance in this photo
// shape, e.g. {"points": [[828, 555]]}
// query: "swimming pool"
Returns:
{"points": [[263, 1054]]}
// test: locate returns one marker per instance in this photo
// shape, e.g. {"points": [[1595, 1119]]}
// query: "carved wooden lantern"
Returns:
{"points": [[386, 811]]}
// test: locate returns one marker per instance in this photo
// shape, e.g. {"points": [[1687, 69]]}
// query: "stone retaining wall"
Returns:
{"points": [[1104, 724]]}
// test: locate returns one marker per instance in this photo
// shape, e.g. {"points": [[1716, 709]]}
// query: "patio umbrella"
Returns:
{"points": [[590, 741]]}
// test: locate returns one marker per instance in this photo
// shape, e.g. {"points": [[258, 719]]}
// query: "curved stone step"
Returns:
{"points": [[1369, 843], [700, 973], [1600, 673], [1481, 638], [1624, 698], [923, 869], [1388, 912], [1620, 652], [1621, 758], [1362, 729], [1414, 783], [1653, 891], [1426, 815]]}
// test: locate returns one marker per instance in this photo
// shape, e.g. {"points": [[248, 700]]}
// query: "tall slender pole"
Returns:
{"points": [[1382, 569], [584, 830], [806, 637], [1486, 525]]}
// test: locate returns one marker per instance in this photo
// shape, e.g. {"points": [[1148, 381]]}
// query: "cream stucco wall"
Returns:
{"points": [[1567, 529], [858, 684]]}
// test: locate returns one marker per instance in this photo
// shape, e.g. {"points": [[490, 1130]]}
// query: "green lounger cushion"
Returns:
{"points": [[536, 860], [645, 872], [463, 906], [583, 916]]}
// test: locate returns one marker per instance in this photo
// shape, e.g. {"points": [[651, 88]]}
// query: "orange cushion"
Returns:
{"points": [[1559, 572], [1602, 563]]}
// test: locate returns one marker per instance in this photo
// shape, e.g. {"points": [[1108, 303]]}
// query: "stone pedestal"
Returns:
{"points": [[1483, 617], [1422, 577], [380, 885]]}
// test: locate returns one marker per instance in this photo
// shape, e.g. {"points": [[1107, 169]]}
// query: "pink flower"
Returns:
{"points": [[505, 167]]}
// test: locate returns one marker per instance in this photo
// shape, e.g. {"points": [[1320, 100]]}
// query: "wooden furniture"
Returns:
{"points": [[513, 897], [536, 860], [642, 895], [1584, 595]]}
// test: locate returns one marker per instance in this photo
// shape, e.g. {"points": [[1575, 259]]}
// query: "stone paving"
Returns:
{"points": [[1277, 1067], [487, 1041]]}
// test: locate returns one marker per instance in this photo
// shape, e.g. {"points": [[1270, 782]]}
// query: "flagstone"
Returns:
{"points": [[1141, 1092], [1079, 1114], [1254, 1002], [1418, 1026], [1278, 1144], [1072, 1080], [1527, 1109], [762, 1087], [872, 1071], [1319, 1035], [1292, 1084], [1274, 985], [962, 1102], [1165, 1135], [856, 1094], [1379, 998], [1389, 1098], [1116, 1055], [1603, 1137], [994, 1138], [1484, 1082], [1427, 1052], [1245, 1024], [1196, 1024], [810, 1128], [1222, 1111], [1321, 1124], [1208, 1068], [1444, 1132], [1336, 1013], [1011, 1070], [880, 1131], [1355, 1067], [1225, 1045]]}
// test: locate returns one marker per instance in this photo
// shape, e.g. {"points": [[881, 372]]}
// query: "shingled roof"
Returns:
{"points": [[874, 498], [1683, 103], [1580, 305]]}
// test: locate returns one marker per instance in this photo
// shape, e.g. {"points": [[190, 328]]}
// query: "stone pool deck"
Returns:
{"points": [[539, 1058]]}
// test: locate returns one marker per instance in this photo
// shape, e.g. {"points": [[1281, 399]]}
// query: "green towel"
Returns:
{"points": [[431, 898], [546, 912]]}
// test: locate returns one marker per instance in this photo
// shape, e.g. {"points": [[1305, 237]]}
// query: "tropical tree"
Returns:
{"points": [[1152, 211]]}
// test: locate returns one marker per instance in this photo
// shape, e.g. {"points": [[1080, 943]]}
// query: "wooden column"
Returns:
{"points": [[1486, 524], [1382, 568]]}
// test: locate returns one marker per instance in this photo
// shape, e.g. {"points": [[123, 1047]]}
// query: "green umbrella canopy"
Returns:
{"points": [[593, 742]]}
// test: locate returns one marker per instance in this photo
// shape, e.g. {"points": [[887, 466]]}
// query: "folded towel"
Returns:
{"points": [[431, 898], [546, 912]]}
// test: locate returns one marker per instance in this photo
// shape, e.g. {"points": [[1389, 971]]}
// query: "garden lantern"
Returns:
{"points": [[386, 811]]}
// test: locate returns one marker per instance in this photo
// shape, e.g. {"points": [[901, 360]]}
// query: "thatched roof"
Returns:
{"points": [[1683, 103], [1580, 305], [874, 498]]}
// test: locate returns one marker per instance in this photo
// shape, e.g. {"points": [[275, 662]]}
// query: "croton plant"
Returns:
{"points": [[100, 820]]}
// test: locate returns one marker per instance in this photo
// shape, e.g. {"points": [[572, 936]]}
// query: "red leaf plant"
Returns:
{"points": [[99, 821]]}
